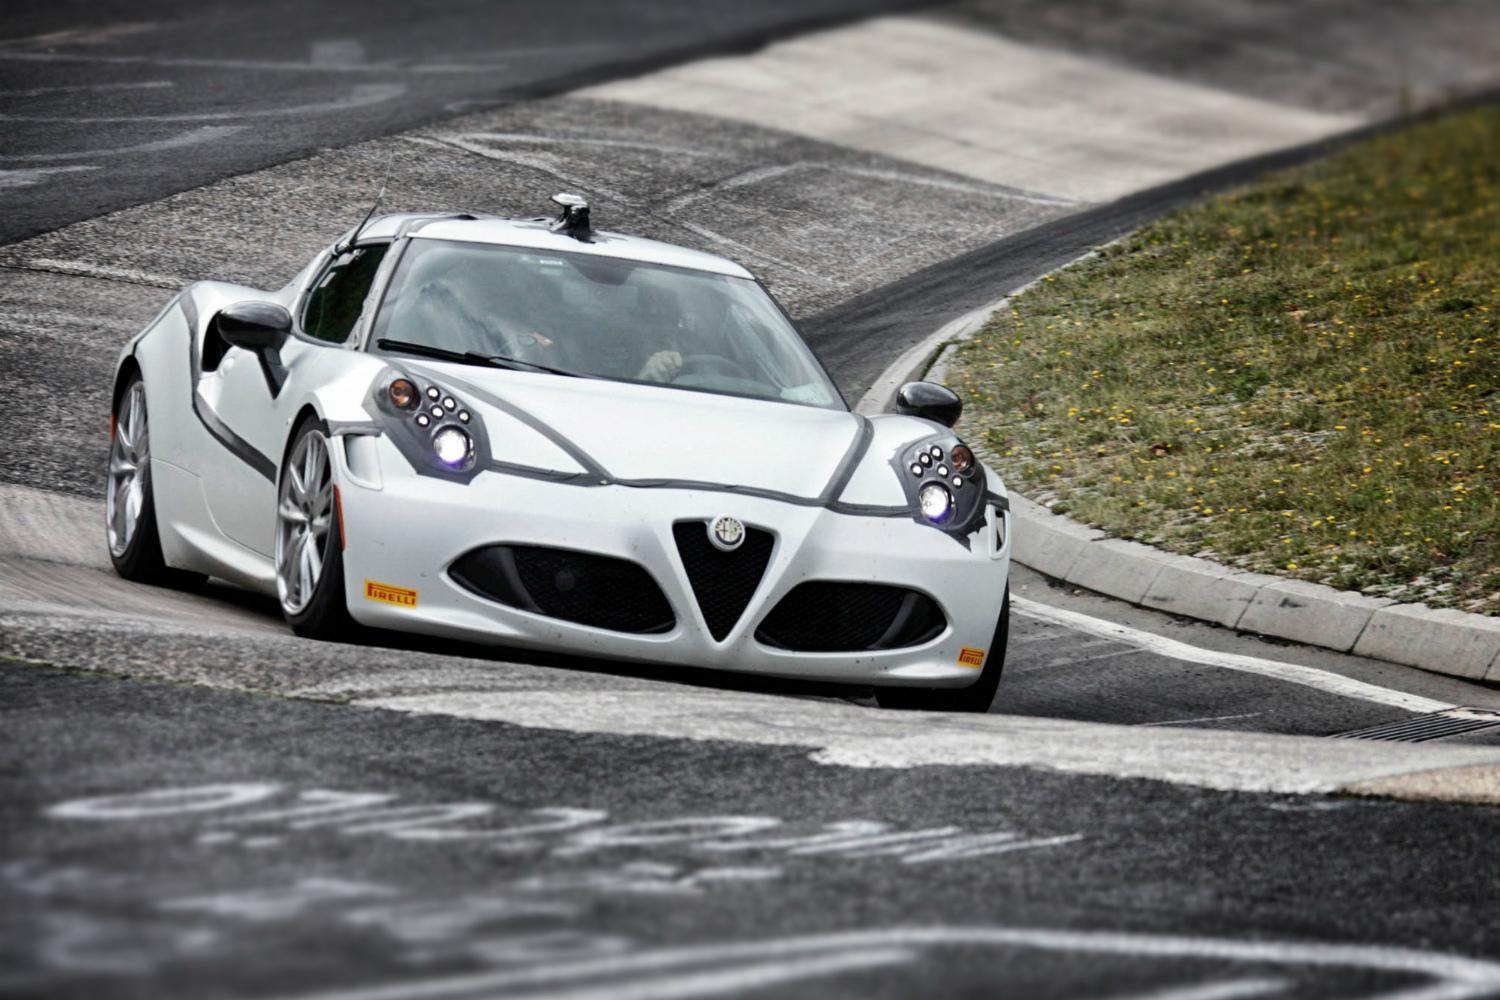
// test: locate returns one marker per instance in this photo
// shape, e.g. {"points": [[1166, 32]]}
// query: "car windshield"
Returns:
{"points": [[601, 317]]}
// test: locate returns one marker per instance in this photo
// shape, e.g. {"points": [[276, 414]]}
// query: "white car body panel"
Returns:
{"points": [[640, 432], [604, 467]]}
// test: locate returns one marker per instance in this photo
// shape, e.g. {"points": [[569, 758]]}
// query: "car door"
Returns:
{"points": [[241, 490]]}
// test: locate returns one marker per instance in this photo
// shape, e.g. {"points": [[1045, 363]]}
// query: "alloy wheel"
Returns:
{"points": [[304, 514], [129, 465]]}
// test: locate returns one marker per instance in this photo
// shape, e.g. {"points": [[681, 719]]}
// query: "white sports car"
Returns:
{"points": [[531, 433]]}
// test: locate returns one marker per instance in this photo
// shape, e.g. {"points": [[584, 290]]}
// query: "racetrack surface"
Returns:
{"points": [[1142, 816], [346, 853], [108, 105]]}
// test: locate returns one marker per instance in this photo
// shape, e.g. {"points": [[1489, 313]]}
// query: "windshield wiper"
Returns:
{"points": [[470, 357], [508, 362], [441, 353]]}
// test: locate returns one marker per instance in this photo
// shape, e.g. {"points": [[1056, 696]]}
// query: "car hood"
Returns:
{"points": [[642, 432]]}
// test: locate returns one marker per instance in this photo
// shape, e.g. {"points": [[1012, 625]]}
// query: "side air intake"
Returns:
{"points": [[579, 587], [826, 616]]}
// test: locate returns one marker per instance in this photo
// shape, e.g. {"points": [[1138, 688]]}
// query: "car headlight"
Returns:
{"points": [[944, 484], [430, 425], [935, 502], [454, 448]]}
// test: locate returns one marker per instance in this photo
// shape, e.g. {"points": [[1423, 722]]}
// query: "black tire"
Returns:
{"points": [[326, 615], [977, 697], [140, 558]]}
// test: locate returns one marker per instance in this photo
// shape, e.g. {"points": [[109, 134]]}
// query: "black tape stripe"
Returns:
{"points": [[577, 454], [850, 461], [595, 474], [354, 428], [546, 475], [589, 480], [236, 445]]}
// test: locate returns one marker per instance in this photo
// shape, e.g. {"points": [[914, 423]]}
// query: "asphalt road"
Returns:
{"points": [[108, 105], [259, 847]]}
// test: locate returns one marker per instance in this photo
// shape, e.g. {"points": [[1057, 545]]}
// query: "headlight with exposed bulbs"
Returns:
{"points": [[431, 426], [944, 483]]}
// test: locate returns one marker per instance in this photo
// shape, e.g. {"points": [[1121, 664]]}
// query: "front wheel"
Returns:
{"points": [[977, 697], [309, 540], [129, 503]]}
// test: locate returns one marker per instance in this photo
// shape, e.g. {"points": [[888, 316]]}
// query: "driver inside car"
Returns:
{"points": [[661, 328], [647, 349], [689, 336]]}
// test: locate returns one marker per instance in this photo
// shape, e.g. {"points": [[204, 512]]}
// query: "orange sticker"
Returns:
{"points": [[968, 656], [387, 594]]}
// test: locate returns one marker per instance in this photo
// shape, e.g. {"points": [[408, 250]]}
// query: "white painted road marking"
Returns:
{"points": [[565, 832], [10, 179], [850, 736], [87, 87], [1453, 977], [208, 133], [1208, 718], [733, 979], [165, 802], [1293, 673], [363, 95], [1235, 989], [85, 270]]}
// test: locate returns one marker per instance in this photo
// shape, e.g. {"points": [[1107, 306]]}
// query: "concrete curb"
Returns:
{"points": [[1441, 640]]}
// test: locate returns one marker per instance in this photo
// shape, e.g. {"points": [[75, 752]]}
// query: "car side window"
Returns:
{"points": [[334, 304]]}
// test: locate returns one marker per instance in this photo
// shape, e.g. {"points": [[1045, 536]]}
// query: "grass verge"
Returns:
{"points": [[1299, 377]]}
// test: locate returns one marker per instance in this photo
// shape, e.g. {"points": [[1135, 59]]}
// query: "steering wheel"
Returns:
{"points": [[714, 364]]}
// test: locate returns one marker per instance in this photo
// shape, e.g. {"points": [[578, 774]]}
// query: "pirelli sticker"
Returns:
{"points": [[387, 594], [968, 656]]}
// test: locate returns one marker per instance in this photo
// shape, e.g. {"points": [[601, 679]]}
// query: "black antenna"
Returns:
{"points": [[574, 218], [345, 246]]}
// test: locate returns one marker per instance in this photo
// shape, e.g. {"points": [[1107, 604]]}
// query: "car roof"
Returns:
{"points": [[538, 234]]}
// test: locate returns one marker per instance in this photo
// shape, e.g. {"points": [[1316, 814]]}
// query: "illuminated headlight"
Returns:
{"points": [[936, 502], [454, 448]]}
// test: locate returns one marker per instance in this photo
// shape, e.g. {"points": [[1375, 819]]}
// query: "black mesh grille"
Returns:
{"points": [[723, 582], [578, 587], [829, 617]]}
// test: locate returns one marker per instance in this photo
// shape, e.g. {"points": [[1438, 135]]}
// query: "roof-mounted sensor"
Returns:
{"points": [[574, 218]]}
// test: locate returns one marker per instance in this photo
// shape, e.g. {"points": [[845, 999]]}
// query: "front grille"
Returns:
{"points": [[723, 582], [579, 587], [824, 616]]}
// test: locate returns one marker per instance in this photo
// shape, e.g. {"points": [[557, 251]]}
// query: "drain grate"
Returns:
{"points": [[1432, 726]]}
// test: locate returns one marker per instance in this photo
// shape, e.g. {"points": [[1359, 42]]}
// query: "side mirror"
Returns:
{"points": [[254, 326], [260, 328], [929, 401]]}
